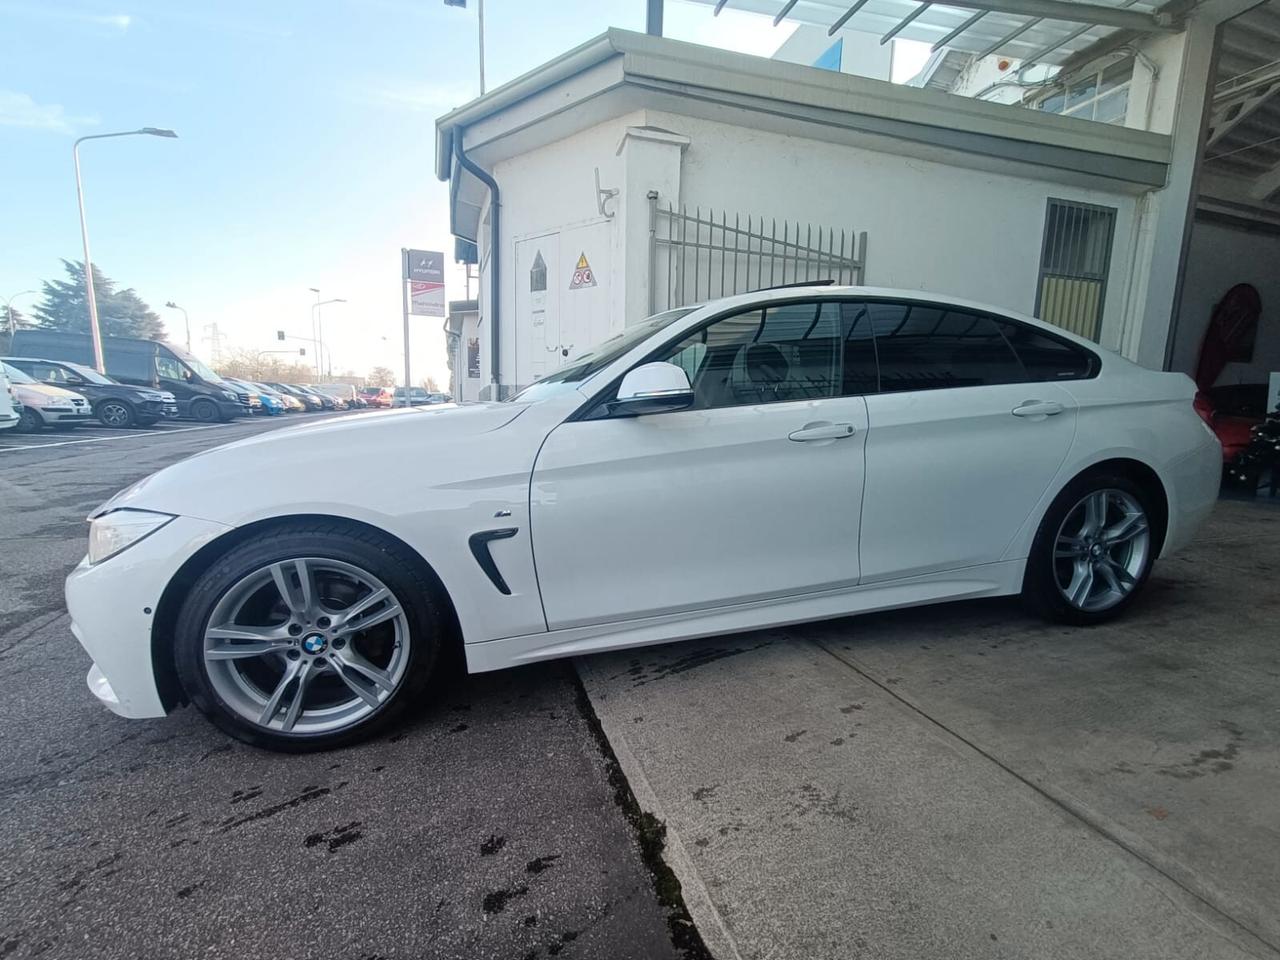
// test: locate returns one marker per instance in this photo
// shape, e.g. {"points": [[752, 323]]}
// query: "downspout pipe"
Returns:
{"points": [[495, 207]]}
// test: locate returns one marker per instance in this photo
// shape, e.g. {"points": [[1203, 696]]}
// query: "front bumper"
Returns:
{"points": [[112, 606], [66, 415]]}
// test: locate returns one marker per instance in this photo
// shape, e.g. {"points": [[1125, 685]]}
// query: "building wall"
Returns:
{"points": [[931, 226], [1220, 257], [862, 54]]}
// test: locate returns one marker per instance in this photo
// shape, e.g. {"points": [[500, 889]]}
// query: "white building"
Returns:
{"points": [[621, 168]]}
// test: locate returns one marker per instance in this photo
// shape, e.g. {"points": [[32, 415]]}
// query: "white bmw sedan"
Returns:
{"points": [[782, 456]]}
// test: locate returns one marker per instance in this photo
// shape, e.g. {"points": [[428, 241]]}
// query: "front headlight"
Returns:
{"points": [[120, 529], [228, 394]]}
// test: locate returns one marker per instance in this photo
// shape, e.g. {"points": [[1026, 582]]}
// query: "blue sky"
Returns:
{"points": [[304, 156]]}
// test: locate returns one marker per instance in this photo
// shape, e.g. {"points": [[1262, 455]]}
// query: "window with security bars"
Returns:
{"points": [[1074, 263]]}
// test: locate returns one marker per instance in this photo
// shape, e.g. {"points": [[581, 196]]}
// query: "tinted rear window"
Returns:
{"points": [[931, 348], [1045, 357]]}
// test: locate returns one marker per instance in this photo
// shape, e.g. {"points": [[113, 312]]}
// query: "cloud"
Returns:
{"points": [[19, 110], [120, 21], [114, 21]]}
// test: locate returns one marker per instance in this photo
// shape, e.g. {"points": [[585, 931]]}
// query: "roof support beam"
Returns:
{"points": [[1069, 12], [786, 8], [905, 21], [1267, 184], [844, 17], [958, 30], [1234, 108], [1012, 35]]}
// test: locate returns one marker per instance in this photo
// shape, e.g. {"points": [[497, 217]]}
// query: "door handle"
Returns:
{"points": [[822, 431], [1037, 408]]}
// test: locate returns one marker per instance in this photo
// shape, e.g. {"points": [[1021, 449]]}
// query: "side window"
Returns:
{"points": [[792, 351], [130, 366], [1045, 357], [169, 368], [924, 347]]}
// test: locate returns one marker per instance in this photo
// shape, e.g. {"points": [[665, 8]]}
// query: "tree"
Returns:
{"points": [[430, 385], [259, 366], [121, 313], [13, 319], [382, 377]]}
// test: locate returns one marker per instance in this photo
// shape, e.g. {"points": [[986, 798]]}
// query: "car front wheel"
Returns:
{"points": [[206, 411], [116, 413], [1094, 550], [308, 637], [29, 421]]}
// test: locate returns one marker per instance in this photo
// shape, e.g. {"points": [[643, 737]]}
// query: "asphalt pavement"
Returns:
{"points": [[493, 824]]}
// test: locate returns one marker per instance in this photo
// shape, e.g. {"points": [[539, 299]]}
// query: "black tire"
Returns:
{"points": [[400, 571], [29, 421], [1040, 590], [206, 411], [116, 413]]}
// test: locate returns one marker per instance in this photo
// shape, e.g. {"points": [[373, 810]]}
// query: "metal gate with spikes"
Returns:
{"points": [[695, 257]]}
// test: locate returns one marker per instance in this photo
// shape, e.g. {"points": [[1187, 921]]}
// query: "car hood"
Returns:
{"points": [[304, 468]]}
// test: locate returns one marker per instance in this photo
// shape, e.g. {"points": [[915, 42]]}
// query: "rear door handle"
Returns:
{"points": [[1037, 408], [822, 431]]}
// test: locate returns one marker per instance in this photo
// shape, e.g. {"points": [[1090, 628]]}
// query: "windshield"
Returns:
{"points": [[15, 375], [598, 357], [89, 374]]}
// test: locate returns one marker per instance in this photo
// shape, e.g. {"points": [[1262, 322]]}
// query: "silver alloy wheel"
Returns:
{"points": [[306, 645], [115, 414], [1101, 549]]}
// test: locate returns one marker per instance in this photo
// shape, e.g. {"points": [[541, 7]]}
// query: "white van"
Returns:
{"points": [[9, 412]]}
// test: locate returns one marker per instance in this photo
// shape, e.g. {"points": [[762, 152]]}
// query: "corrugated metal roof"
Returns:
{"points": [[1021, 36]]}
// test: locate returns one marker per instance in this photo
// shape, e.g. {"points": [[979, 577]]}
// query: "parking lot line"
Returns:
{"points": [[68, 443]]}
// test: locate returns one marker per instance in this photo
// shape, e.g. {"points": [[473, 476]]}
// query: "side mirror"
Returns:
{"points": [[652, 388]]}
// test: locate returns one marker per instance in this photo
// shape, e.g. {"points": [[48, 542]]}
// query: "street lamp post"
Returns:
{"points": [[8, 312], [186, 320], [317, 327], [480, 22], [94, 332]]}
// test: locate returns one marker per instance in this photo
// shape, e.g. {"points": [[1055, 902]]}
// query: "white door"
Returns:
{"points": [[959, 448], [537, 271], [755, 492], [584, 279]]}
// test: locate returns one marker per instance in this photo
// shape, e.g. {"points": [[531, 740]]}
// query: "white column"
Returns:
{"points": [[651, 162]]}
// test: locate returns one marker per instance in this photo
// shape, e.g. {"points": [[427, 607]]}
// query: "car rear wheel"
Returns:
{"points": [[206, 411], [309, 637], [116, 413], [29, 421], [1093, 552]]}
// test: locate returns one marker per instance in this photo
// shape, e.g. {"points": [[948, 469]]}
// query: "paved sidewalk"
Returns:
{"points": [[964, 781]]}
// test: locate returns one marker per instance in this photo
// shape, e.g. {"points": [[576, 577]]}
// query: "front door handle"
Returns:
{"points": [[1037, 408], [822, 431]]}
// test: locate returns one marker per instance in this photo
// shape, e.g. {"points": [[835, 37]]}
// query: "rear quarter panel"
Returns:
{"points": [[1131, 413]]}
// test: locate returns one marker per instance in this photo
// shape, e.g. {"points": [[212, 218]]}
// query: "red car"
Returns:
{"points": [[377, 396]]}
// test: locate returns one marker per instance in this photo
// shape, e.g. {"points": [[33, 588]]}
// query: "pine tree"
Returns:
{"points": [[121, 313]]}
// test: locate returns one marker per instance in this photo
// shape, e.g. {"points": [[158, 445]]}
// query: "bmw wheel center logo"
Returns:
{"points": [[315, 643]]}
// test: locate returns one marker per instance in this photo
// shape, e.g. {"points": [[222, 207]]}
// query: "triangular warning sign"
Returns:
{"points": [[582, 274]]}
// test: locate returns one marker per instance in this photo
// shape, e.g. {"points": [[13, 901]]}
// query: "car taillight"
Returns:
{"points": [[1204, 407]]}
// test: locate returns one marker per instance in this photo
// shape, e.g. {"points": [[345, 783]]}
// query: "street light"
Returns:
{"points": [[186, 319], [317, 327], [8, 313], [94, 332], [480, 21]]}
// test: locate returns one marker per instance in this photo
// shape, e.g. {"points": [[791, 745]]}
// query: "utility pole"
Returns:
{"points": [[186, 319], [90, 296]]}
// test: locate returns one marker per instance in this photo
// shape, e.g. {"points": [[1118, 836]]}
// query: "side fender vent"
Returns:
{"points": [[479, 543]]}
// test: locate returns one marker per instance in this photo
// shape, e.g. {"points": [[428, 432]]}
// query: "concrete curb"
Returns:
{"points": [[697, 900]]}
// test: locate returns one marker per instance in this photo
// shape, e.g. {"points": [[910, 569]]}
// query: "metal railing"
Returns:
{"points": [[695, 257]]}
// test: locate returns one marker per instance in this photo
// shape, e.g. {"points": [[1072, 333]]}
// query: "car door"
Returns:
{"points": [[753, 492], [962, 443]]}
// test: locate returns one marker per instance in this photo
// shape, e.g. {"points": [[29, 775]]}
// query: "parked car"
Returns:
{"points": [[755, 461], [114, 404], [378, 396], [326, 402], [288, 401], [340, 391], [200, 393], [418, 397], [311, 402], [46, 406], [10, 409], [259, 400]]}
